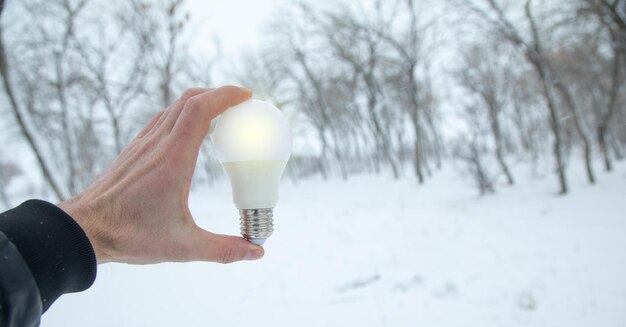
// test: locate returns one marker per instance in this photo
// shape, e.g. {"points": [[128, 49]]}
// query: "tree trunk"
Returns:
{"points": [[492, 106], [338, 152], [503, 165], [414, 113], [536, 58], [569, 103], [117, 134], [67, 137], [602, 133], [382, 137], [555, 126], [603, 127], [115, 124], [617, 147], [417, 152], [323, 155]]}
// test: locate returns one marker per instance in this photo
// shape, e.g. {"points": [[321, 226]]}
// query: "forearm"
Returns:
{"points": [[58, 254]]}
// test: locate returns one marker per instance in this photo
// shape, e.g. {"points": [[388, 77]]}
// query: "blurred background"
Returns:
{"points": [[455, 162]]}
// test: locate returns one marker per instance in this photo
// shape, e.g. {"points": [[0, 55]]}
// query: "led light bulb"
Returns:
{"points": [[253, 142]]}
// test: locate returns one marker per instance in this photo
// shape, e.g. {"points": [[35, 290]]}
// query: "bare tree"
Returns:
{"points": [[471, 150], [316, 86], [485, 77], [365, 59], [527, 115], [563, 90], [81, 71], [409, 52], [472, 155], [169, 53], [54, 87], [611, 15], [412, 53], [346, 69], [117, 65], [534, 53], [25, 129]]}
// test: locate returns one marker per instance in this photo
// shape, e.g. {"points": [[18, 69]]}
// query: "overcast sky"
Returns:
{"points": [[238, 23]]}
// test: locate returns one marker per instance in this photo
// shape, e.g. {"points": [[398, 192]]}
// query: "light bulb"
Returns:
{"points": [[253, 142]]}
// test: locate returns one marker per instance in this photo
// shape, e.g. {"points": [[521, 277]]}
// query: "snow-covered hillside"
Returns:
{"points": [[378, 252]]}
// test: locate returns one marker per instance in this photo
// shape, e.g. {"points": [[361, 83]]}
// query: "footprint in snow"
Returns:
{"points": [[409, 284], [358, 283], [448, 289]]}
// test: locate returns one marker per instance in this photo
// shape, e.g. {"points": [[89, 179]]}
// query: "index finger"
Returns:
{"points": [[194, 121]]}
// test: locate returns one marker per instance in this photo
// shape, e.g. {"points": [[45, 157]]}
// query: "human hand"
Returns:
{"points": [[137, 211]]}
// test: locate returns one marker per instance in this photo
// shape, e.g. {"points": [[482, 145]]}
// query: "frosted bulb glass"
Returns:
{"points": [[253, 142]]}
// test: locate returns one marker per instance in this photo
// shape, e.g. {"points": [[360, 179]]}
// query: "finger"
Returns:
{"points": [[126, 155], [150, 124], [212, 247], [175, 110], [194, 121], [166, 112]]}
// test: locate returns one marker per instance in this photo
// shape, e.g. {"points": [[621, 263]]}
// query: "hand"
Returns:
{"points": [[137, 211]]}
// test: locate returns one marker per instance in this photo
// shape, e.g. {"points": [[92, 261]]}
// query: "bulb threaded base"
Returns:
{"points": [[256, 224]]}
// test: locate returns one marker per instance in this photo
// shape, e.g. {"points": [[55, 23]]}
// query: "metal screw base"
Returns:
{"points": [[256, 224]]}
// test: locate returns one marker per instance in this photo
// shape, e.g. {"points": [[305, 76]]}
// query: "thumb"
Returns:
{"points": [[212, 247]]}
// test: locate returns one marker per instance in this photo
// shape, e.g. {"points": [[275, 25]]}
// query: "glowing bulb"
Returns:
{"points": [[253, 142]]}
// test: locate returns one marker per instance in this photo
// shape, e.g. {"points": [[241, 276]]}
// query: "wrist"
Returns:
{"points": [[88, 220]]}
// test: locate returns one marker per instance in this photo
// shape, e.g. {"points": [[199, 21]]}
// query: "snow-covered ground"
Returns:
{"points": [[378, 252]]}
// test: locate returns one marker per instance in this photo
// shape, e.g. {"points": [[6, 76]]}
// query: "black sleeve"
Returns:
{"points": [[43, 251]]}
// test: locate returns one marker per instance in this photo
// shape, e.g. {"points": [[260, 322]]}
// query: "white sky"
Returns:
{"points": [[237, 23]]}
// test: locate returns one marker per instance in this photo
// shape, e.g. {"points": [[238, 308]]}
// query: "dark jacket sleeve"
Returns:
{"points": [[43, 254]]}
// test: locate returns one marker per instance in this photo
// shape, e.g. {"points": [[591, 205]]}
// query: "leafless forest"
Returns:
{"points": [[398, 87]]}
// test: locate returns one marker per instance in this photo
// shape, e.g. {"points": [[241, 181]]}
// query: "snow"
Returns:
{"points": [[377, 252]]}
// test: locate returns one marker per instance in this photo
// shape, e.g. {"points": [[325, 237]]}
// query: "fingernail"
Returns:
{"points": [[254, 254]]}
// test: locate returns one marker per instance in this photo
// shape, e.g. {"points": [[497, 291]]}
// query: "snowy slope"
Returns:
{"points": [[378, 252]]}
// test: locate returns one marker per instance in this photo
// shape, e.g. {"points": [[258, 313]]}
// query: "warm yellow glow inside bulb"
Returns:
{"points": [[254, 130], [254, 135]]}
